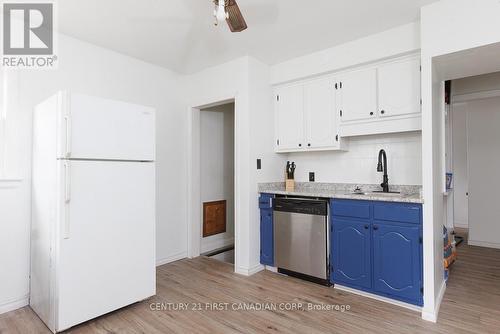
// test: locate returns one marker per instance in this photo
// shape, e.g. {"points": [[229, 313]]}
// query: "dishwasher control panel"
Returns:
{"points": [[317, 207]]}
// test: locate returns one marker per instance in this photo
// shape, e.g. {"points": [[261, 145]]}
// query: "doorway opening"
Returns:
{"points": [[472, 248], [474, 159], [217, 182], [212, 181]]}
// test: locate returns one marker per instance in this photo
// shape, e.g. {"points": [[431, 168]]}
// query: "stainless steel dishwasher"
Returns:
{"points": [[300, 238]]}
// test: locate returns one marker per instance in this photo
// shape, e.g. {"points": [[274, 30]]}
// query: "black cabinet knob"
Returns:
{"points": [[371, 113], [309, 145], [300, 145], [382, 112], [367, 227], [375, 227]]}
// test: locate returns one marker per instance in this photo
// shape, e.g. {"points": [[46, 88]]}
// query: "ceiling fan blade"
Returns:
{"points": [[236, 22]]}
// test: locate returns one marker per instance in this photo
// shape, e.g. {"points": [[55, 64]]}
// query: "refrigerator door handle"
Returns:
{"points": [[68, 135], [67, 197]]}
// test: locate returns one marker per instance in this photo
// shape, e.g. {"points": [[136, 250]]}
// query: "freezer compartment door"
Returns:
{"points": [[97, 128], [106, 253]]}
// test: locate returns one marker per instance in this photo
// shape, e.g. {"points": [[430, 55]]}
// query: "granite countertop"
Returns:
{"points": [[409, 194]]}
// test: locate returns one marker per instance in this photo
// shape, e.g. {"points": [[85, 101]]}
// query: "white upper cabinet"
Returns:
{"points": [[358, 95], [290, 118], [316, 114], [399, 87], [320, 114]]}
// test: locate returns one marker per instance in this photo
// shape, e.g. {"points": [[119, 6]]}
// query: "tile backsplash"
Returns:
{"points": [[359, 163]]}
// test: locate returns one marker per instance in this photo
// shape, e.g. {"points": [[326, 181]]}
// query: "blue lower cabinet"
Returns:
{"points": [[381, 252], [396, 261], [351, 249], [266, 230]]}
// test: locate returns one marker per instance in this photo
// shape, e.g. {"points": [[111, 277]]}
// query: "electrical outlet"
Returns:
{"points": [[311, 176]]}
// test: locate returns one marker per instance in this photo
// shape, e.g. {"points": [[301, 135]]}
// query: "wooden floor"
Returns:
{"points": [[471, 304]]}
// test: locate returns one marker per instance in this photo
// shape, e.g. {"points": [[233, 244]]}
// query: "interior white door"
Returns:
{"points": [[483, 122], [358, 95], [459, 155], [290, 118], [320, 113], [399, 87], [97, 128], [106, 255]]}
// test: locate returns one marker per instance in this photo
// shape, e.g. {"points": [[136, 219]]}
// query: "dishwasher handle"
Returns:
{"points": [[302, 206]]}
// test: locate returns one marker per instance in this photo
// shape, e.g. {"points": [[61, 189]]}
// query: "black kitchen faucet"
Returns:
{"points": [[383, 168]]}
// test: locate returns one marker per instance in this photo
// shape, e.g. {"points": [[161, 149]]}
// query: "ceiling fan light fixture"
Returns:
{"points": [[220, 13]]}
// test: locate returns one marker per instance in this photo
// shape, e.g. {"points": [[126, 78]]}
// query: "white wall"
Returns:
{"points": [[397, 41], [247, 80], [217, 172], [447, 28], [359, 163], [91, 70]]}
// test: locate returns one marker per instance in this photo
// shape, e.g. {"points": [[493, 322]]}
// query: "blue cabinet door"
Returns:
{"points": [[266, 237], [351, 253], [397, 261]]}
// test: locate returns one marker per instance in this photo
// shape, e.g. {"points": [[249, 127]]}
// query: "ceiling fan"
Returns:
{"points": [[228, 10]]}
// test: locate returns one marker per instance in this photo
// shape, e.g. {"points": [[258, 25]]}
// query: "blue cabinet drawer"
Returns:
{"points": [[351, 208], [265, 201], [398, 212]]}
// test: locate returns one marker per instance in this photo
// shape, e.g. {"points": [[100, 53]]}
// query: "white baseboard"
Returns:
{"points": [[377, 297], [273, 269], [483, 244], [433, 316], [208, 246], [14, 304], [172, 258], [249, 271], [461, 225]]}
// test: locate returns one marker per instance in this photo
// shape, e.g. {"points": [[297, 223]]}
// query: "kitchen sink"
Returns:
{"points": [[376, 193]]}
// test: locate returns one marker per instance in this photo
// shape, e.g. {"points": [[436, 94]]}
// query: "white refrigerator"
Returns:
{"points": [[93, 208]]}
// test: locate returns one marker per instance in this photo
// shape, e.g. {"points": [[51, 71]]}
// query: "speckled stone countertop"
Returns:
{"points": [[409, 194]]}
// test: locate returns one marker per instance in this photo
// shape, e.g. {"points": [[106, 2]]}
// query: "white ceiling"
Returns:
{"points": [[180, 35]]}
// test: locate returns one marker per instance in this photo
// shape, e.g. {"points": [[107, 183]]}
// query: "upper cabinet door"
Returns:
{"points": [[321, 117], [358, 95], [399, 87], [290, 118]]}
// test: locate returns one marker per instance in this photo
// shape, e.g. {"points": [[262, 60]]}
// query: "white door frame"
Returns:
{"points": [[194, 211]]}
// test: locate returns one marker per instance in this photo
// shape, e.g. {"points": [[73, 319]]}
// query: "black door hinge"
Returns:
{"points": [[341, 85], [277, 98], [337, 138], [341, 113], [336, 86], [278, 142], [422, 291], [420, 240]]}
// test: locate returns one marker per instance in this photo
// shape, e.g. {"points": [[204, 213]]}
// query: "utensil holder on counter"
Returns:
{"points": [[290, 185]]}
